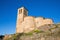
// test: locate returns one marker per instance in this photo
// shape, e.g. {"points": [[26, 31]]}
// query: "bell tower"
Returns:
{"points": [[22, 12]]}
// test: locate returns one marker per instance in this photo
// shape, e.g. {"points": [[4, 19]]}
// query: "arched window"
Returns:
{"points": [[25, 12], [20, 11]]}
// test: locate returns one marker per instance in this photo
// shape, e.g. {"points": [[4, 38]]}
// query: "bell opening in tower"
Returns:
{"points": [[20, 11]]}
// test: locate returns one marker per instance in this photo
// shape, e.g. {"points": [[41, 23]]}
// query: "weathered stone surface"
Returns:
{"points": [[27, 23], [39, 34], [48, 21], [39, 21]]}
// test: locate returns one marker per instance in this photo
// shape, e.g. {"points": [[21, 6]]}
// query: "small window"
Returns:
{"points": [[25, 12], [20, 11]]}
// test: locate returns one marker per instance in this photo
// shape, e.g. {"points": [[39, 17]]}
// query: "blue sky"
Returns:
{"points": [[8, 12]]}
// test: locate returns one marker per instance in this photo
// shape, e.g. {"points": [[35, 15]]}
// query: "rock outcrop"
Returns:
{"points": [[46, 32]]}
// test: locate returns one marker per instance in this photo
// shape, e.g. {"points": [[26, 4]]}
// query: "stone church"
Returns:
{"points": [[27, 23]]}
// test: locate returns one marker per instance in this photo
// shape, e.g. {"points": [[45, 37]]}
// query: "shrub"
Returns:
{"points": [[38, 31], [29, 33]]}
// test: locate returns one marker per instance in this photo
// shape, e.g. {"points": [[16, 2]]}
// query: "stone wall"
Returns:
{"points": [[30, 23], [27, 23]]}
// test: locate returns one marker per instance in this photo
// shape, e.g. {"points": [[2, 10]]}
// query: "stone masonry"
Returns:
{"points": [[27, 23]]}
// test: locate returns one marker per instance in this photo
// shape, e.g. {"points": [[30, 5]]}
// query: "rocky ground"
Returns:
{"points": [[45, 32]]}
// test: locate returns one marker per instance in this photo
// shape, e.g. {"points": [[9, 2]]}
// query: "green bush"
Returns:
{"points": [[38, 31], [29, 33]]}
